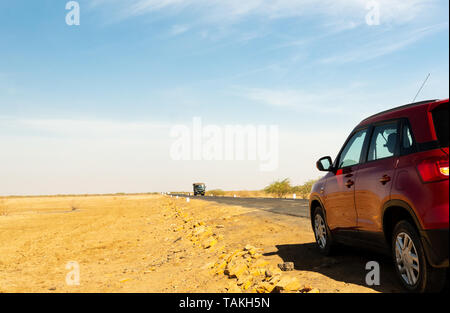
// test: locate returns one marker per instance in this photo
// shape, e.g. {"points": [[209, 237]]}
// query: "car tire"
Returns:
{"points": [[322, 233], [410, 262]]}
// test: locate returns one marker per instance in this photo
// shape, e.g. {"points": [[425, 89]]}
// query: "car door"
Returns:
{"points": [[339, 195], [375, 176]]}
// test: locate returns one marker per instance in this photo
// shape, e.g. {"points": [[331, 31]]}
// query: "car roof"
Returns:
{"points": [[381, 115], [414, 112]]}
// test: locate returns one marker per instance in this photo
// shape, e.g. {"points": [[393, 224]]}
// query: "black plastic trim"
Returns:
{"points": [[429, 145], [435, 243]]}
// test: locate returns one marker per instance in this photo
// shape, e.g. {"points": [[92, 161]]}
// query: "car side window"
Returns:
{"points": [[383, 142], [407, 138], [408, 145], [351, 154]]}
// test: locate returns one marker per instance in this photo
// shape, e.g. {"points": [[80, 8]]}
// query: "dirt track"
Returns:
{"points": [[143, 243]]}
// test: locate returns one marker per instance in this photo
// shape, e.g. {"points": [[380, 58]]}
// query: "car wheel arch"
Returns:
{"points": [[314, 203], [395, 211]]}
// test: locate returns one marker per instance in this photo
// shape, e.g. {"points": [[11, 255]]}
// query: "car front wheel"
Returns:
{"points": [[321, 232]]}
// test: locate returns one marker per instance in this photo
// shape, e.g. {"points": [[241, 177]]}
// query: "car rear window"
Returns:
{"points": [[440, 121]]}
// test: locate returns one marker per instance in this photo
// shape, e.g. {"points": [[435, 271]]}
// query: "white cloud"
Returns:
{"points": [[179, 29], [392, 11], [351, 102], [88, 128], [383, 46], [328, 102]]}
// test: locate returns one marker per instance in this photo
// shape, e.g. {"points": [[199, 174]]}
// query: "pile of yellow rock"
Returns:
{"points": [[253, 274], [203, 235], [199, 233], [250, 273]]}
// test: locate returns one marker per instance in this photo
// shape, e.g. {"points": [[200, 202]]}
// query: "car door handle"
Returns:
{"points": [[349, 183], [385, 179]]}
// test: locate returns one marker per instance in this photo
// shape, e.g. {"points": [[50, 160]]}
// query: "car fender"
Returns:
{"points": [[402, 204], [316, 197]]}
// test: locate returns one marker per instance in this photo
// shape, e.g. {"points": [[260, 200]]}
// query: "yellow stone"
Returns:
{"points": [[221, 265], [246, 285], [244, 279], [209, 243], [208, 265], [199, 230], [261, 263], [220, 249], [257, 272], [289, 284], [232, 288], [236, 253], [236, 269], [274, 279], [248, 247], [220, 271], [208, 232], [266, 287]]}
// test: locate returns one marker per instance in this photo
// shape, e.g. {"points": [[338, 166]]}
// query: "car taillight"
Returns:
{"points": [[431, 170], [443, 167]]}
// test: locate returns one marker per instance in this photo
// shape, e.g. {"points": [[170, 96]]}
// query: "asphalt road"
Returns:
{"points": [[297, 207]]}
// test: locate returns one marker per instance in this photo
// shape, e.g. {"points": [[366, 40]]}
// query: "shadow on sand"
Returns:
{"points": [[347, 264]]}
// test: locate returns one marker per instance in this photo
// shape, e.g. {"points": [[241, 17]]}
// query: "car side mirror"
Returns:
{"points": [[325, 164]]}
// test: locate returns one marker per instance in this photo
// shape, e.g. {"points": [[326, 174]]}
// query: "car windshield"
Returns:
{"points": [[440, 121]]}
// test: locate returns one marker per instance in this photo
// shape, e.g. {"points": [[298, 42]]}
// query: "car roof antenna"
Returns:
{"points": [[421, 87]]}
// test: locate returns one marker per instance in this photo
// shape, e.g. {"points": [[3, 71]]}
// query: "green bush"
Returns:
{"points": [[283, 187], [305, 189], [279, 188]]}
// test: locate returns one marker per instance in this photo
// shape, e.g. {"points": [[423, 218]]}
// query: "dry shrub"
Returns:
{"points": [[216, 192], [74, 205]]}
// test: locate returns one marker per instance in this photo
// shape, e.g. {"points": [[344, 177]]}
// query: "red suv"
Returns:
{"points": [[388, 189]]}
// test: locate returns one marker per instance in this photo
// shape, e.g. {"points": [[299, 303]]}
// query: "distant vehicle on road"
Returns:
{"points": [[388, 189], [199, 189]]}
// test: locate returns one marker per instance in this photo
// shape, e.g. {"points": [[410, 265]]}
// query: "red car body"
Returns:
{"points": [[363, 200]]}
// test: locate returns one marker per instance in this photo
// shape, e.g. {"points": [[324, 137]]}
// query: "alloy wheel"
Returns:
{"points": [[320, 231], [407, 259]]}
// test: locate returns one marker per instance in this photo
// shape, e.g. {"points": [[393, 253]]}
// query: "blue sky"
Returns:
{"points": [[87, 108]]}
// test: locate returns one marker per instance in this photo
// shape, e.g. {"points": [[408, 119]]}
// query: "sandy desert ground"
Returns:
{"points": [[154, 243]]}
